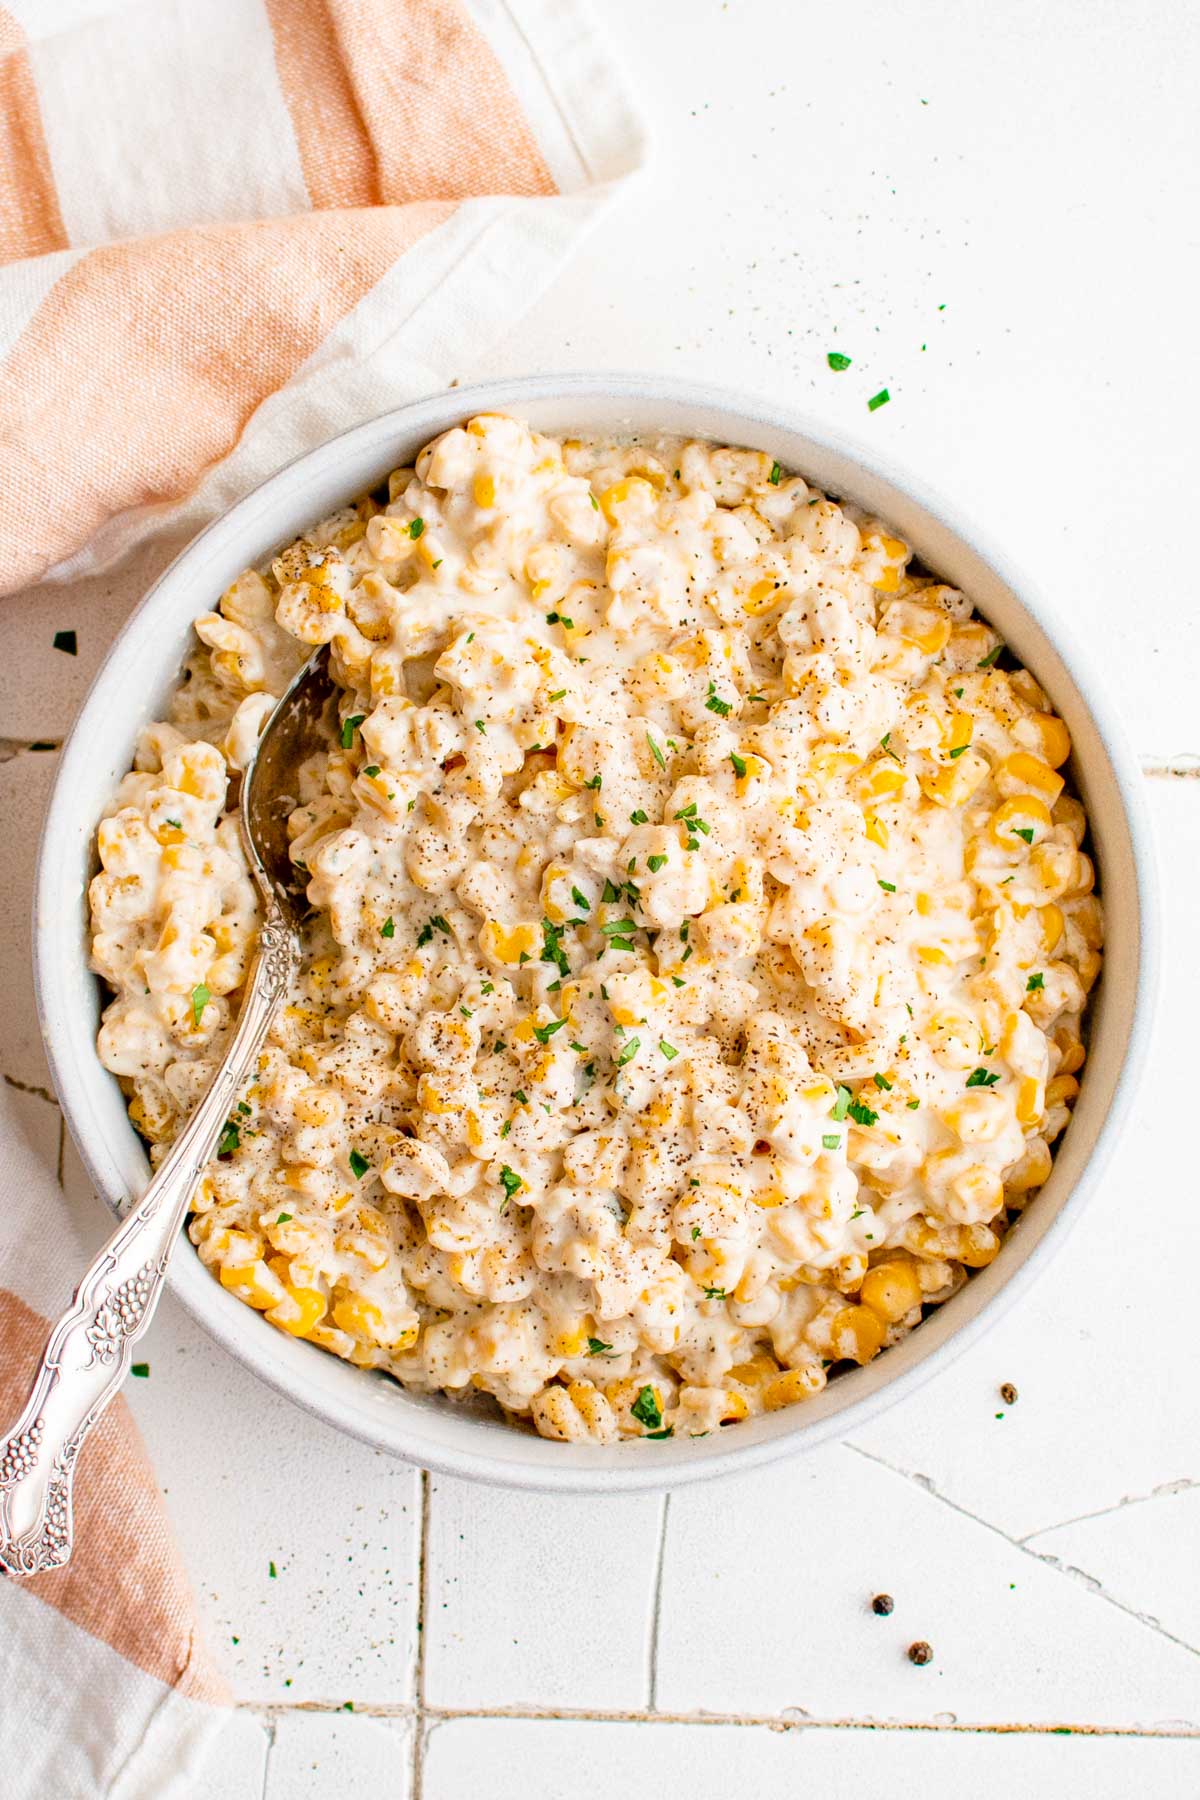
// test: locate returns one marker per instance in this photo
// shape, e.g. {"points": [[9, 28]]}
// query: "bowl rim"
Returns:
{"points": [[411, 1442]]}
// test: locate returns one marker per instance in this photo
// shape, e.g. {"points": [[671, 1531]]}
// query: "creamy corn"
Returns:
{"points": [[702, 935]]}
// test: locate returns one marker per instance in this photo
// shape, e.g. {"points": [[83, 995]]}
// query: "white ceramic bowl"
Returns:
{"points": [[142, 667]]}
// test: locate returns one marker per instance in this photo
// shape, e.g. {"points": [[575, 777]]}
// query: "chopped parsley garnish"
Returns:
{"points": [[481, 727], [349, 727], [594, 782], [284, 1219], [883, 745], [559, 694], [739, 764], [959, 750], [67, 642], [861, 1114], [715, 704], [646, 1409], [882, 1083], [913, 1105], [581, 899], [668, 1050], [982, 1078], [200, 999], [638, 818], [358, 1165], [985, 662], [416, 528], [598, 1347], [832, 1141], [836, 360], [371, 769], [629, 1051], [656, 863], [618, 927], [272, 1571], [466, 1012], [1024, 831], [140, 1369], [511, 1182], [521, 1097], [175, 824], [666, 1432], [552, 950], [657, 754], [878, 400], [388, 928], [888, 887], [486, 987], [231, 1137], [775, 474], [543, 1033], [841, 1105], [438, 563], [595, 502], [715, 1293], [506, 1128], [1035, 983]]}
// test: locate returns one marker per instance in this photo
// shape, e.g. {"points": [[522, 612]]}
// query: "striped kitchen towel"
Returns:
{"points": [[228, 230], [232, 228]]}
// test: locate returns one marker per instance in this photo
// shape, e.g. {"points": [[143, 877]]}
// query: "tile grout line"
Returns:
{"points": [[656, 1603], [1047, 1561], [418, 1707], [768, 1721]]}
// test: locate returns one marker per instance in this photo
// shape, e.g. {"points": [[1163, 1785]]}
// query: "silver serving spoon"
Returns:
{"points": [[90, 1349]]}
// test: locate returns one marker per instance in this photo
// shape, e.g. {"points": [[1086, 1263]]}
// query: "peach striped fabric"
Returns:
{"points": [[226, 233], [272, 195]]}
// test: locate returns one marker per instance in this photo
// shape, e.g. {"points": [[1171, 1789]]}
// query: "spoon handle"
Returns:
{"points": [[90, 1349]]}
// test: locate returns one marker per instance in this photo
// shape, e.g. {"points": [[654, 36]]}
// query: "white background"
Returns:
{"points": [[993, 210]]}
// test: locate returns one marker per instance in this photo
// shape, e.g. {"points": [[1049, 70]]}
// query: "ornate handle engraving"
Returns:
{"points": [[90, 1349]]}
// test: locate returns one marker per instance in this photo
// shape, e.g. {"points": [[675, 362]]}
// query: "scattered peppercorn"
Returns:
{"points": [[883, 1604], [920, 1653], [1008, 1393]]}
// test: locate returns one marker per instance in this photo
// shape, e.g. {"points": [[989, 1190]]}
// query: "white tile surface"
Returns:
{"points": [[804, 199], [316, 1755], [557, 1760], [253, 1482], [539, 1600], [1145, 1552], [766, 1609]]}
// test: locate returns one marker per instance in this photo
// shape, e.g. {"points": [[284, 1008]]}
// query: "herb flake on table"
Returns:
{"points": [[837, 361], [140, 1369], [878, 400], [67, 642]]}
